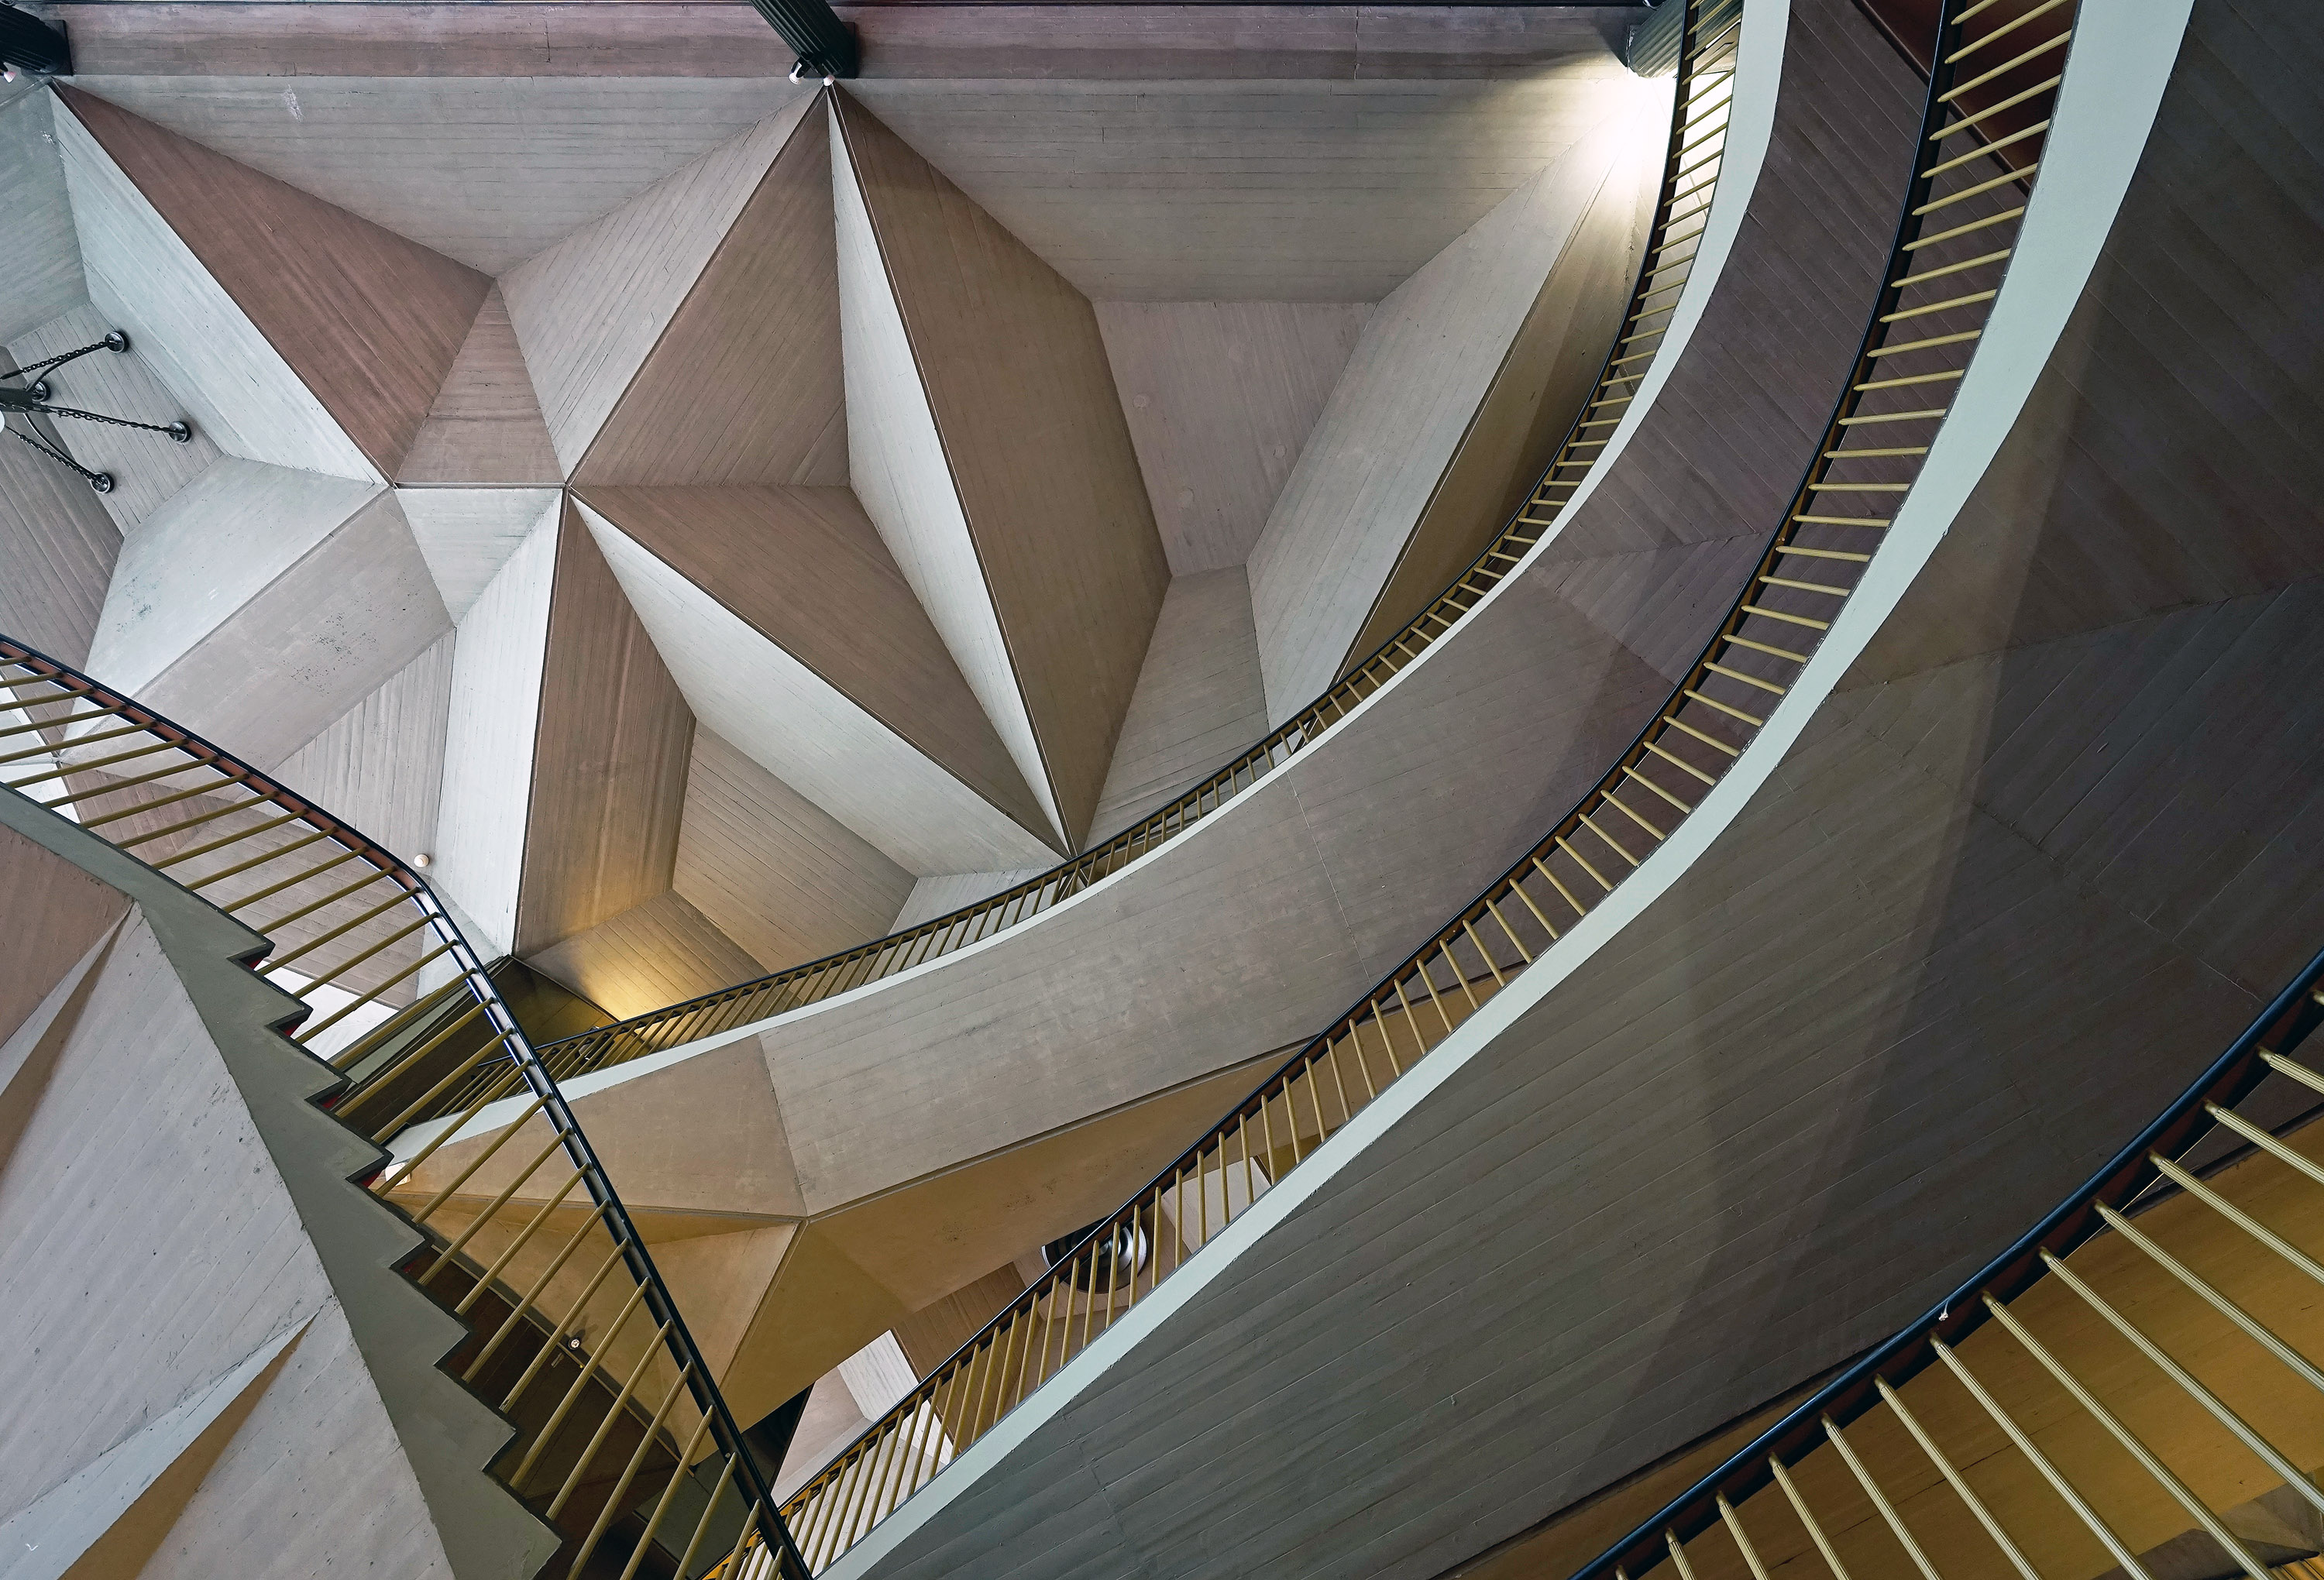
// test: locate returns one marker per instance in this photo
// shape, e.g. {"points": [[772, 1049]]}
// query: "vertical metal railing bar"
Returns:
{"points": [[1719, 22], [508, 1058]]}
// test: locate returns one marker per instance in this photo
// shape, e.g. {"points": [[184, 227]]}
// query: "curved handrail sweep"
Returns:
{"points": [[1908, 356], [2154, 1165], [1690, 179], [349, 924]]}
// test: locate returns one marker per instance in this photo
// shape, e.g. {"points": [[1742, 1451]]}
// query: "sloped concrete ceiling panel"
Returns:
{"points": [[489, 170], [1220, 398], [115, 1511], [1199, 700], [658, 951], [485, 425], [1550, 369], [589, 310], [380, 766], [1421, 369], [804, 568], [1012, 367], [260, 604], [40, 254], [146, 468], [488, 751], [608, 759], [369, 321], [895, 461], [788, 720], [1263, 190], [143, 277], [744, 385], [467, 534], [773, 871]]}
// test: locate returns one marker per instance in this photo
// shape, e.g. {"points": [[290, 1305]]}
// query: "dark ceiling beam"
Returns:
{"points": [[29, 44], [1087, 43], [823, 42]]}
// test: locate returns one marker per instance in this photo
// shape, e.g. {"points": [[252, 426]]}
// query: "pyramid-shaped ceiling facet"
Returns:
{"points": [[796, 637], [261, 603], [368, 321], [987, 442], [744, 386], [484, 426], [590, 309], [609, 758], [1463, 381]]}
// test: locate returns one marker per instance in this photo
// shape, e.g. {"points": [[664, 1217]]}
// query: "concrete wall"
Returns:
{"points": [[174, 1200], [151, 1247]]}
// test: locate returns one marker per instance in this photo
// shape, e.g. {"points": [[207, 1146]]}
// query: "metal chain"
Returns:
{"points": [[62, 357], [100, 480], [179, 431]]}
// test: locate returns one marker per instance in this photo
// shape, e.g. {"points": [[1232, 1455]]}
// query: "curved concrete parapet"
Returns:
{"points": [[2014, 855], [926, 1127]]}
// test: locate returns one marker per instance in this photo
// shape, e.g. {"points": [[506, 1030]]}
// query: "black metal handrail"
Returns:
{"points": [[32, 682], [2130, 1173]]}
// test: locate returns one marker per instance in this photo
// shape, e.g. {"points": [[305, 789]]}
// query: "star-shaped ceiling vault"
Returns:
{"points": [[787, 553]]}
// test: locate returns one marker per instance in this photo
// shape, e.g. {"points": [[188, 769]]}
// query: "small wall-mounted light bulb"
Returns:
{"points": [[423, 860]]}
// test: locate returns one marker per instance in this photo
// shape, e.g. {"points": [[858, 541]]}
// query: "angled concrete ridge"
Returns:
{"points": [[49, 1540], [448, 1436]]}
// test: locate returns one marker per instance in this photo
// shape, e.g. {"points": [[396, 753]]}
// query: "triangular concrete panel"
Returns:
{"points": [[804, 568], [369, 321], [467, 534], [744, 385], [143, 278], [800, 728], [28, 1058], [589, 310], [1412, 393], [485, 425], [39, 255], [262, 603], [1550, 369], [1199, 699], [1220, 398], [772, 870], [497, 655], [489, 170], [111, 1516], [661, 951], [380, 766], [1008, 485], [609, 758]]}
